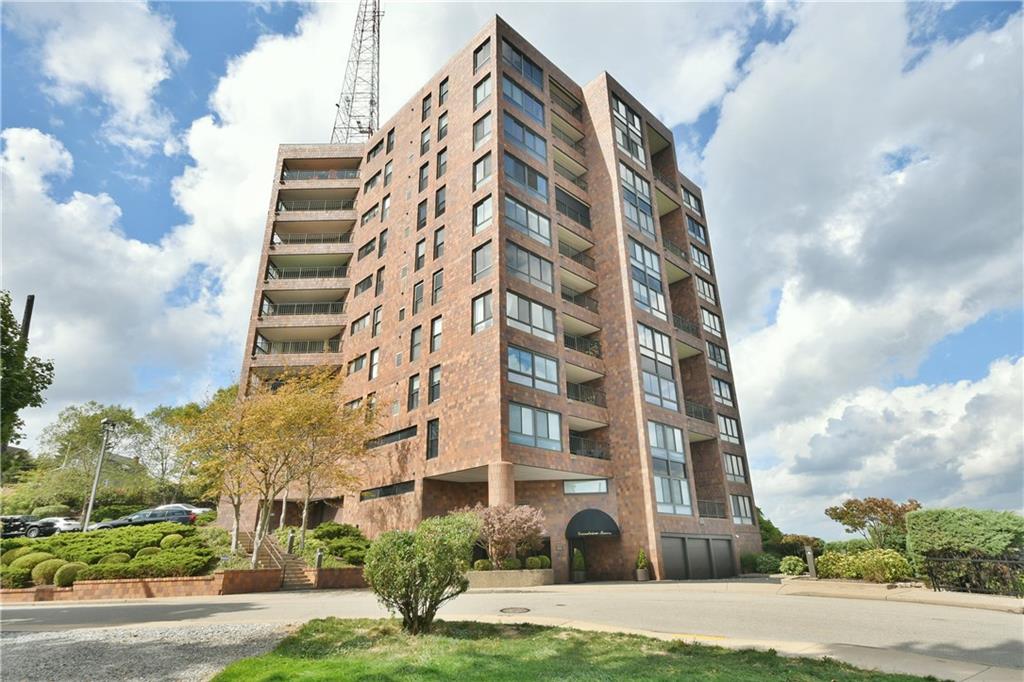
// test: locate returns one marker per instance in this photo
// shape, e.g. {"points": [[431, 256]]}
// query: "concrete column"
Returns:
{"points": [[501, 483]]}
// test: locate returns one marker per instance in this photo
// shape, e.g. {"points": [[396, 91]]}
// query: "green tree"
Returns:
{"points": [[24, 377], [158, 446], [770, 533], [878, 519]]}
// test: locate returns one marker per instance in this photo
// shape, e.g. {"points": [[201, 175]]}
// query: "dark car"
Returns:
{"points": [[14, 526], [147, 516], [52, 525]]}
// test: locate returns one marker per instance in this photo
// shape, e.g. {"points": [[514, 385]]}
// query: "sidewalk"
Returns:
{"points": [[848, 589]]}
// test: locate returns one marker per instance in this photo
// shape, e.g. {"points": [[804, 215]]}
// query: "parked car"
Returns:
{"points": [[147, 516], [14, 526], [52, 525], [184, 505]]}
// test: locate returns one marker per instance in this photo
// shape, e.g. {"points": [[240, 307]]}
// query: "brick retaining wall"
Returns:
{"points": [[337, 578]]}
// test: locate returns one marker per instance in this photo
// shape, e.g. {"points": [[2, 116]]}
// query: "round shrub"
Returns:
{"points": [[482, 565], [66, 574], [767, 563], [837, 564], [116, 558], [882, 565], [14, 578], [511, 564], [147, 551], [10, 555], [170, 540], [792, 565], [545, 561], [43, 572], [31, 560], [533, 562], [330, 530]]}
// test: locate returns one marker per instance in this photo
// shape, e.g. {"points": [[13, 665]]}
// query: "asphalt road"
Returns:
{"points": [[959, 634]]}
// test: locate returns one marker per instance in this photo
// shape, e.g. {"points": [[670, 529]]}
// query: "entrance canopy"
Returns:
{"points": [[591, 523]]}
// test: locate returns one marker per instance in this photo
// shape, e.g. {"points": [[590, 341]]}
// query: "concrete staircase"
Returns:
{"points": [[295, 577], [270, 555]]}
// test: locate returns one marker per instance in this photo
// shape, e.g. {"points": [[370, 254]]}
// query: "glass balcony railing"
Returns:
{"points": [[327, 308], [582, 344], [574, 109], [577, 180], [698, 411], [676, 250], [585, 394], [312, 238], [582, 300], [578, 256], [285, 205], [337, 174], [311, 272], [665, 180], [711, 509], [587, 447], [264, 347], [574, 144], [685, 325]]}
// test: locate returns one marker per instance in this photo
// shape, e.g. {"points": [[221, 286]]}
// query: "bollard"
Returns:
{"points": [[809, 553], [291, 541], [319, 558]]}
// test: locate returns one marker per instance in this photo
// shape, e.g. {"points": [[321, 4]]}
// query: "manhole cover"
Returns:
{"points": [[515, 609]]}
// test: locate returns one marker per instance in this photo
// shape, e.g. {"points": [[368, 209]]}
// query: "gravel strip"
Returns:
{"points": [[184, 653]]}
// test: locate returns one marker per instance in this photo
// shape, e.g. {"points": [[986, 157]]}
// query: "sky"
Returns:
{"points": [[861, 167]]}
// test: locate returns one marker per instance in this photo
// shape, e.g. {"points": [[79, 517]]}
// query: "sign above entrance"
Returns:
{"points": [[591, 523]]}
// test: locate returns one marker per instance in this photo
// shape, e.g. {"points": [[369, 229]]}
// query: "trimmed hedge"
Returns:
{"points": [[147, 551], [836, 565], [875, 565], [482, 565], [43, 573], [51, 510], [511, 564], [792, 565], [545, 561], [66, 574], [31, 560], [116, 558], [964, 532], [767, 563], [848, 546], [92, 546], [171, 540], [10, 555], [533, 562], [14, 578], [180, 560]]}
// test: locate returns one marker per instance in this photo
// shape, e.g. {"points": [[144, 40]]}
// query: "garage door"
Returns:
{"points": [[721, 550], [696, 558], [699, 552], [675, 558]]}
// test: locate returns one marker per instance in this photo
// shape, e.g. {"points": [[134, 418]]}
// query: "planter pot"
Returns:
{"points": [[579, 576], [643, 575]]}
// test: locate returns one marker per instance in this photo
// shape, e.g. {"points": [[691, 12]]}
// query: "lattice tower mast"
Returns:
{"points": [[359, 102]]}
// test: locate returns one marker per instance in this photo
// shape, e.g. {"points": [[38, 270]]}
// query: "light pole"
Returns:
{"points": [[108, 426]]}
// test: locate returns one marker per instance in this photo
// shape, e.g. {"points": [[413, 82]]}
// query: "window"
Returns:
{"points": [[366, 249], [421, 215], [433, 438], [391, 140], [424, 177], [734, 469], [691, 200], [354, 404], [711, 322], [440, 201], [425, 141], [645, 270], [371, 183], [521, 174], [421, 255], [729, 429], [370, 215], [434, 384], [700, 259], [363, 285], [706, 290], [413, 398], [387, 490], [529, 316], [534, 427], [482, 261], [382, 243], [374, 363], [523, 64], [628, 130], [417, 297], [387, 172], [481, 91], [532, 369], [529, 267], [515, 94], [442, 126], [438, 242], [415, 343], [425, 108], [482, 130], [520, 135], [393, 437], [656, 367], [636, 193], [482, 170], [696, 230], [360, 324], [568, 205], [591, 487], [442, 93], [379, 288], [483, 314], [483, 214], [717, 356], [481, 55], [385, 208], [437, 286], [378, 314], [668, 459], [741, 510], [377, 148], [523, 218], [442, 162], [435, 334], [356, 364], [722, 391]]}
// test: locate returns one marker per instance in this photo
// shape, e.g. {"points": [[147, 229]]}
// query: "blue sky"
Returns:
{"points": [[841, 314]]}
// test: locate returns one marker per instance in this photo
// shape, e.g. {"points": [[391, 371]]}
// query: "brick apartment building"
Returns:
{"points": [[513, 269]]}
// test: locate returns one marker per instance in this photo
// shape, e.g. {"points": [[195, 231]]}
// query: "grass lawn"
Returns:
{"points": [[336, 649]]}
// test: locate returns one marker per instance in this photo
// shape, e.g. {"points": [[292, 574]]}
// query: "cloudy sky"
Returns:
{"points": [[862, 169]]}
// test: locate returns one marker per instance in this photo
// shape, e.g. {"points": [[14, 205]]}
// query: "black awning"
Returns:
{"points": [[591, 523]]}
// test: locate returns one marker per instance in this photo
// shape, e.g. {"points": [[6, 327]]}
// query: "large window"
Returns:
{"points": [[514, 93], [356, 364], [706, 290], [363, 285], [482, 170], [722, 391], [729, 429], [523, 64], [656, 367], [388, 490], [481, 91], [734, 468], [717, 356], [645, 270], [691, 200], [483, 312], [366, 249], [532, 369], [529, 267], [526, 177], [529, 316], [569, 205], [481, 55], [742, 510], [433, 438], [482, 130], [636, 193], [393, 437], [523, 218], [696, 230], [534, 427], [520, 135], [711, 322], [594, 486], [628, 130], [700, 259], [668, 460], [483, 260], [483, 214]]}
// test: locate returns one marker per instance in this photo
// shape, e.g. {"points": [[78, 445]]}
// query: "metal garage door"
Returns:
{"points": [[697, 558], [698, 551], [721, 550], [675, 558]]}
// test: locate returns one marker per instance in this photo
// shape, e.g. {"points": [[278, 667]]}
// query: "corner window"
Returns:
{"points": [[482, 261], [534, 427], [529, 267], [482, 130], [483, 315], [656, 368], [483, 214], [481, 91], [729, 429], [521, 217], [742, 510], [526, 177], [481, 55], [645, 271], [628, 130], [734, 469], [527, 368], [529, 316]]}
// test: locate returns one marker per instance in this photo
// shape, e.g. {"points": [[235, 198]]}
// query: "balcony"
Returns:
{"points": [[288, 238], [577, 256], [698, 411], [711, 509], [676, 250], [665, 180], [270, 308], [587, 447], [582, 344], [580, 299], [267, 347], [572, 208], [288, 205], [565, 101], [585, 394], [321, 174], [306, 272], [685, 325], [567, 139], [571, 170]]}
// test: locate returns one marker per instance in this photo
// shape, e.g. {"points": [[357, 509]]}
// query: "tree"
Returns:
{"points": [[506, 530], [878, 519], [770, 533], [24, 377], [159, 446]]}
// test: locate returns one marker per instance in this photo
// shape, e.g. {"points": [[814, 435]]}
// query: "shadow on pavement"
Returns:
{"points": [[31, 618]]}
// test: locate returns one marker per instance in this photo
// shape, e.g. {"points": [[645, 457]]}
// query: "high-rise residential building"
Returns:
{"points": [[517, 275]]}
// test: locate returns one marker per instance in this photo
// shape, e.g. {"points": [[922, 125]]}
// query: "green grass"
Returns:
{"points": [[336, 649]]}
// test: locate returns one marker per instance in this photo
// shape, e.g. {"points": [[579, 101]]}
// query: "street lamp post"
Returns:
{"points": [[108, 426]]}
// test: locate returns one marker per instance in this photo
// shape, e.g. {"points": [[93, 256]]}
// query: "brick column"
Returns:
{"points": [[501, 483]]}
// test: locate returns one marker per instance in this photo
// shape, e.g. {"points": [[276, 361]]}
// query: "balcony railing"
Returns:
{"points": [[328, 308], [665, 180], [573, 108], [338, 174], [587, 447], [578, 146], [311, 272], [285, 205], [312, 238], [585, 394], [578, 256], [685, 325], [676, 250], [582, 300], [265, 347], [582, 344], [577, 180], [698, 411], [711, 509]]}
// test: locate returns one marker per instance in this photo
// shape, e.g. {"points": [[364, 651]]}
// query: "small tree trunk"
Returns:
{"points": [[305, 520], [284, 508], [236, 522]]}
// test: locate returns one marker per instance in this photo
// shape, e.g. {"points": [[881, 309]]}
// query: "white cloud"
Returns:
{"points": [[120, 52]]}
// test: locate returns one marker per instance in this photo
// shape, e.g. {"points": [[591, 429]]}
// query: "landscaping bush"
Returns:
{"points": [[116, 558], [181, 560], [171, 540], [216, 538], [66, 574], [51, 510], [92, 546], [792, 565], [330, 530], [31, 560], [511, 564], [43, 573], [848, 546], [837, 565], [767, 563], [507, 530], [7, 544], [109, 512], [533, 562], [965, 532], [748, 562], [147, 551], [350, 549], [882, 565], [12, 578], [206, 518], [482, 565], [10, 555], [545, 561]]}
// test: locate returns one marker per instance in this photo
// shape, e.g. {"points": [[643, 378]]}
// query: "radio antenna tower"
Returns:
{"points": [[359, 102]]}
